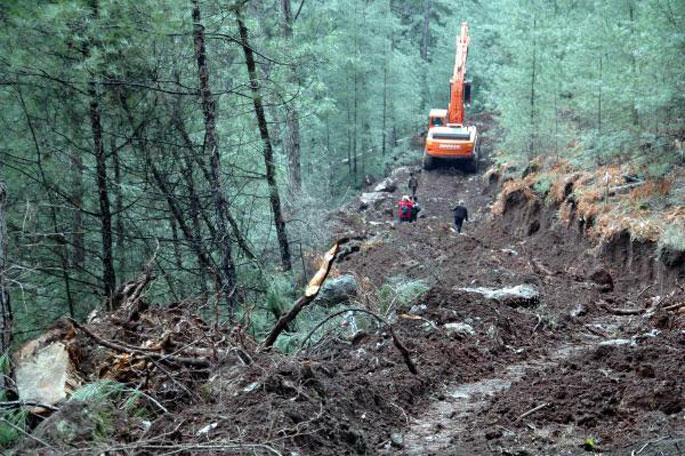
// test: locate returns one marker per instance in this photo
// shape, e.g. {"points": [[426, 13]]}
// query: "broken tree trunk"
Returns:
{"points": [[309, 295], [129, 295]]}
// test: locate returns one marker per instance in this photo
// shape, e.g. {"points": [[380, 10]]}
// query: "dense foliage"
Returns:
{"points": [[132, 129]]}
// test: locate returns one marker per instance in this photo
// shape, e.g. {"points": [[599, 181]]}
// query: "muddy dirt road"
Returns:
{"points": [[577, 370]]}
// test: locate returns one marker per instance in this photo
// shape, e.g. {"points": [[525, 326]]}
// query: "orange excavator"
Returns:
{"points": [[448, 137]]}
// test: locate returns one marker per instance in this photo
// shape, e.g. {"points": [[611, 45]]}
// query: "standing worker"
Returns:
{"points": [[460, 214], [405, 207], [415, 209], [413, 184]]}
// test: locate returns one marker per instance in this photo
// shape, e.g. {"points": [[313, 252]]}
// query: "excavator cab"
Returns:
{"points": [[437, 118]]}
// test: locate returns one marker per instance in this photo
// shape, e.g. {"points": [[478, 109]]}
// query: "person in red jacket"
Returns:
{"points": [[404, 209]]}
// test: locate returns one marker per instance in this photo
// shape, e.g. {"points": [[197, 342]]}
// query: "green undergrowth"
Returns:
{"points": [[126, 398], [399, 293], [12, 423], [309, 326], [102, 402]]}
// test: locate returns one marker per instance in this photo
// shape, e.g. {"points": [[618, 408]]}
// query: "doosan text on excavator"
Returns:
{"points": [[448, 138]]}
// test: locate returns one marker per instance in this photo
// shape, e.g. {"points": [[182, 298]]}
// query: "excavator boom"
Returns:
{"points": [[455, 111]]}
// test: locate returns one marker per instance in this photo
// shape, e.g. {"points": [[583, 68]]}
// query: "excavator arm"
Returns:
{"points": [[458, 84]]}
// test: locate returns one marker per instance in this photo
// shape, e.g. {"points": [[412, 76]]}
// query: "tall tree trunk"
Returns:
{"points": [[599, 105], [178, 258], [533, 128], [6, 377], [203, 256], [189, 157], [119, 210], [635, 71], [385, 106], [425, 31], [78, 237], [349, 138], [425, 44], [274, 196], [108, 275], [354, 130], [228, 272], [292, 143], [193, 211]]}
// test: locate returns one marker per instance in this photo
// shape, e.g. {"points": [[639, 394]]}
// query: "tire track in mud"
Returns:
{"points": [[441, 428]]}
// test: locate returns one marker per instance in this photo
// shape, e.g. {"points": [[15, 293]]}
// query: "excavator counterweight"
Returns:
{"points": [[448, 137]]}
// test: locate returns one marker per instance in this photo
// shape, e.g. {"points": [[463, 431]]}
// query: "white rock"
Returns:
{"points": [[205, 430], [387, 185], [42, 373], [523, 292], [370, 198], [459, 328]]}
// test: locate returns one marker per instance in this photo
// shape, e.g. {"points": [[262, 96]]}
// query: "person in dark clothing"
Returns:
{"points": [[415, 209], [460, 214], [413, 184]]}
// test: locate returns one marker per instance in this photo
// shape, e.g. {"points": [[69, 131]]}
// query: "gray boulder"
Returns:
{"points": [[337, 290], [374, 199], [387, 185]]}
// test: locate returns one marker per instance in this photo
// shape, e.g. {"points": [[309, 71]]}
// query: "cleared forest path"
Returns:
{"points": [[523, 385]]}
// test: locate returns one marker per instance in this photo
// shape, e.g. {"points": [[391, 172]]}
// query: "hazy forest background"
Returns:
{"points": [[214, 136]]}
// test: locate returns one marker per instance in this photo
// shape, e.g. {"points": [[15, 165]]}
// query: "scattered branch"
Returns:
{"points": [[616, 311], [195, 362], [19, 404], [396, 341], [531, 411], [644, 290], [674, 306]]}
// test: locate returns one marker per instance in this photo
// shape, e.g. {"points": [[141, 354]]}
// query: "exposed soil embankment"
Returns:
{"points": [[557, 218]]}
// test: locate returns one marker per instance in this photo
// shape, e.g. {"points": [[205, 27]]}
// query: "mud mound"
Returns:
{"points": [[348, 398], [605, 393]]}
